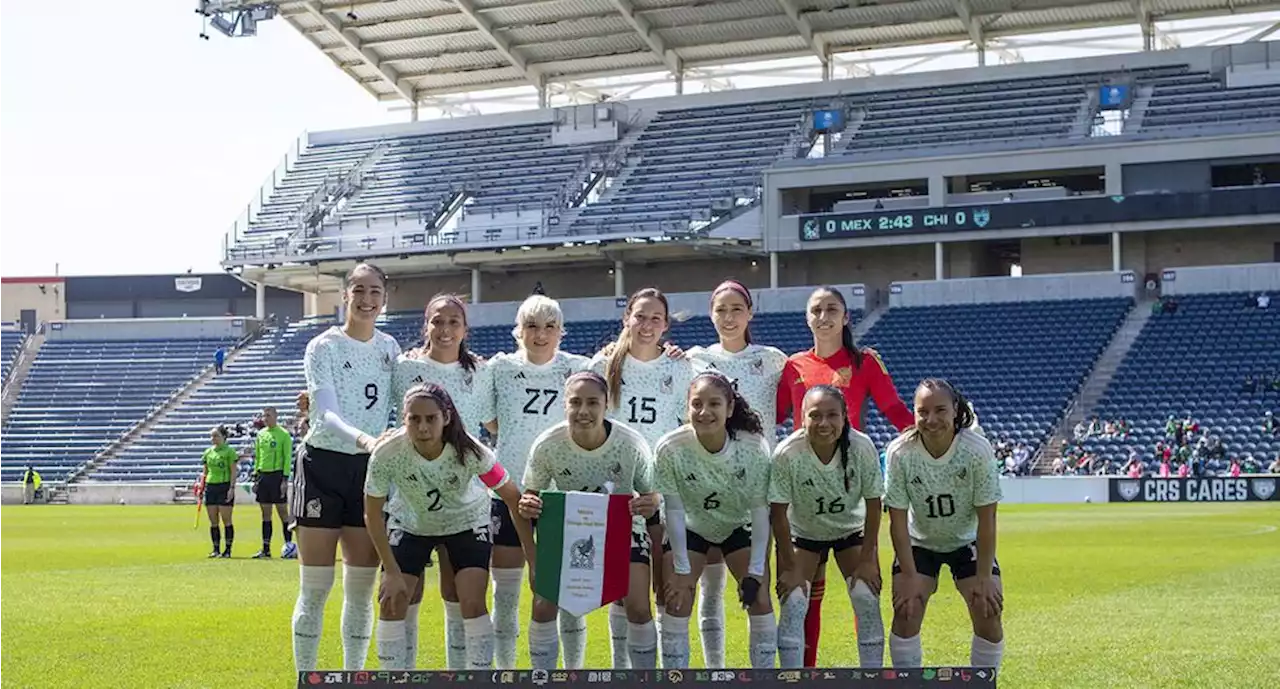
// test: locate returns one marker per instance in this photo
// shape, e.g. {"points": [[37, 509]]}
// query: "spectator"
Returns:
{"points": [[1250, 385], [1021, 460], [1165, 469], [1122, 427], [1133, 468], [1269, 425], [1264, 300], [1234, 471], [1170, 305], [1171, 427], [1059, 466], [1081, 431], [1109, 430], [1157, 307], [1184, 470], [1095, 426], [1275, 466], [219, 356], [30, 484]]}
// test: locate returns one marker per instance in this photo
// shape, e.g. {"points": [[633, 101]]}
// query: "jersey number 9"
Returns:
{"points": [[371, 394]]}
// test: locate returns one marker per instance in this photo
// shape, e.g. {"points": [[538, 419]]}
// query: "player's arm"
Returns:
{"points": [[537, 478], [897, 499], [880, 384], [495, 477], [872, 492], [321, 386], [780, 489], [286, 442], [785, 383], [759, 505]]}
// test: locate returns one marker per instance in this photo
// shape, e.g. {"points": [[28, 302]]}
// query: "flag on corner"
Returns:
{"points": [[584, 550]]}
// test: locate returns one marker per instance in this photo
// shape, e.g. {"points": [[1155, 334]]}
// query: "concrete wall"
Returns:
{"points": [[1053, 490], [16, 294], [1006, 289], [1260, 277], [150, 329], [875, 267], [1056, 255]]}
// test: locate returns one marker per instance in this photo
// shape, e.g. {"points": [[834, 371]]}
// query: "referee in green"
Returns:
{"points": [[272, 466]]}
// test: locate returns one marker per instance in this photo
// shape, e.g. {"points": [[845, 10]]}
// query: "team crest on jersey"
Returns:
{"points": [[667, 383], [1264, 488], [1129, 489], [388, 362], [467, 377], [313, 508], [394, 537], [740, 474], [453, 480], [757, 366], [616, 469], [963, 473]]}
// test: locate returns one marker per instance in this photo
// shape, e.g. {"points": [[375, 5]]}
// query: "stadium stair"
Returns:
{"points": [[18, 373], [1095, 386], [156, 416], [868, 321]]}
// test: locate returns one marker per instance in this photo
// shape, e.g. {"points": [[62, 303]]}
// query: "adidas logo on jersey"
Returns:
{"points": [[809, 482], [521, 376], [413, 477], [417, 379], [691, 477], [917, 482], [347, 366], [566, 472]]}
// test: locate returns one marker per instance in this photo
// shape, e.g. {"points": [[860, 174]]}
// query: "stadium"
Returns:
{"points": [[1070, 210]]}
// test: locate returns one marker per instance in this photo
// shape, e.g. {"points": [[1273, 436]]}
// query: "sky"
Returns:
{"points": [[128, 145]]}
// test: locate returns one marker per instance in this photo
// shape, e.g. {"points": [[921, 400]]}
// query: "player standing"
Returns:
{"points": [[272, 468], [348, 371], [431, 462], [823, 474], [715, 470], [587, 452], [527, 394], [755, 370], [835, 360], [942, 493], [445, 360], [220, 465]]}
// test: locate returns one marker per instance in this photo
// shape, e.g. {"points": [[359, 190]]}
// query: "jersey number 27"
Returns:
{"points": [[544, 397]]}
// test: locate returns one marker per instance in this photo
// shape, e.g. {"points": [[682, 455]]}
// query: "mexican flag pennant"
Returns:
{"points": [[584, 550]]}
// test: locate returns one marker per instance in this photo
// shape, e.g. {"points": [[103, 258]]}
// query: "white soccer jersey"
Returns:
{"points": [[623, 465], [528, 399], [718, 490], [359, 373], [436, 497], [942, 494], [655, 393], [472, 391], [756, 369], [820, 508]]}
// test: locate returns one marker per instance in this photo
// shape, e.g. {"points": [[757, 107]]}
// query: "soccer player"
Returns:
{"points": [[943, 488], [756, 370], [646, 391], [715, 470], [348, 371], [445, 360], [528, 390], [835, 360], [220, 465], [823, 474], [431, 463], [272, 467], [589, 453]]}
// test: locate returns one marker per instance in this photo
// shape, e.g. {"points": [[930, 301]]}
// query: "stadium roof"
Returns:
{"points": [[414, 50]]}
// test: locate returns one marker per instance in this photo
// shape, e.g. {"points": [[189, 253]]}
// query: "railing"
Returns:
{"points": [[323, 202], [241, 223], [1266, 53]]}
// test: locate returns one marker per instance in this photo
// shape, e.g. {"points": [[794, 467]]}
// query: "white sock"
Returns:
{"points": [[763, 639], [711, 615], [983, 653], [618, 631], [674, 633], [455, 637], [506, 614], [573, 640], [544, 645], [391, 646], [357, 614], [411, 635], [791, 629], [642, 645], [869, 623], [479, 642], [308, 614], [906, 652]]}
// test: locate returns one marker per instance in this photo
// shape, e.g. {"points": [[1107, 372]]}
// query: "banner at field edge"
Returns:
{"points": [[835, 678], [1207, 489], [583, 550]]}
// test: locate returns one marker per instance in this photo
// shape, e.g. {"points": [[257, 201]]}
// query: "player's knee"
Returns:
{"points": [[473, 608], [544, 611]]}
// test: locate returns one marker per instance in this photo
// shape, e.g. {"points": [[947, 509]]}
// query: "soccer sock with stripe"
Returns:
{"points": [[479, 642], [544, 645], [674, 635], [391, 646], [906, 653], [983, 653], [813, 623], [869, 623], [711, 614], [506, 614], [642, 645], [357, 614], [308, 614], [618, 631], [791, 629], [411, 634], [266, 535], [762, 636], [215, 535], [573, 639], [455, 637]]}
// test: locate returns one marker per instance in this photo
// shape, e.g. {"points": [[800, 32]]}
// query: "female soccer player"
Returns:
{"points": [[445, 360], [430, 463], [715, 470], [646, 389], [822, 475], [756, 370], [835, 360], [220, 466], [587, 452], [348, 371], [942, 492], [527, 393]]}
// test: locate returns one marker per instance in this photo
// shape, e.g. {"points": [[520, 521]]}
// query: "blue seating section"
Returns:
{"points": [[1194, 363], [10, 344], [1019, 363], [81, 396], [1202, 99]]}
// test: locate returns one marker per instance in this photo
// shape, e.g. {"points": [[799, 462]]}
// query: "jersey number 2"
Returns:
{"points": [[940, 505], [435, 505]]}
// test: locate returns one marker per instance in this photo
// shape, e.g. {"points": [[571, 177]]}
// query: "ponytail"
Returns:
{"points": [[847, 341], [620, 348], [741, 289], [466, 358], [743, 418], [455, 431], [843, 442], [965, 416]]}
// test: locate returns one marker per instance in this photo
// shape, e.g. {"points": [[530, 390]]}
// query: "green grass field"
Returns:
{"points": [[1097, 596]]}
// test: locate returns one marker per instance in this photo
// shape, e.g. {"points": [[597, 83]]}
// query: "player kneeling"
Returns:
{"points": [[431, 463], [715, 470], [943, 488], [588, 453], [821, 477]]}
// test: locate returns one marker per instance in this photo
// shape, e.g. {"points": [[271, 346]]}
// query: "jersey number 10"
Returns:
{"points": [[940, 505]]}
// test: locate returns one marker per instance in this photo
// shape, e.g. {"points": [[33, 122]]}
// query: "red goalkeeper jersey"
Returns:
{"points": [[806, 369]]}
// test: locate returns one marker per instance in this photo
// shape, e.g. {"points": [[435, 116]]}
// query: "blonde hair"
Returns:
{"points": [[539, 308]]}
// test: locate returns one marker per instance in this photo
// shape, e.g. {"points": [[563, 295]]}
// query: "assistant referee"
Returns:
{"points": [[272, 466]]}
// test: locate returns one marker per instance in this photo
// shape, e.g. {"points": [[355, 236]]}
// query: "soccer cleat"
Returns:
{"points": [[263, 554], [290, 551], [214, 554], [226, 554]]}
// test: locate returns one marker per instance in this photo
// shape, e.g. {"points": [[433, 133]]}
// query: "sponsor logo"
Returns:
{"points": [[1264, 488], [1129, 489]]}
